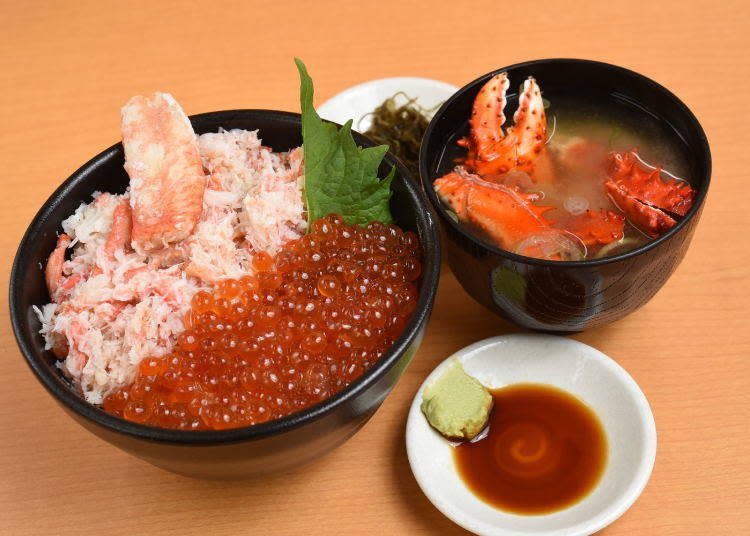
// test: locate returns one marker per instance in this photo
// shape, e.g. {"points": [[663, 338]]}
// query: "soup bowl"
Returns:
{"points": [[273, 446], [568, 296]]}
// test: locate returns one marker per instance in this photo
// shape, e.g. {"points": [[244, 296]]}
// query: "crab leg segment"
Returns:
{"points": [[646, 184], [487, 117], [648, 219], [504, 213]]}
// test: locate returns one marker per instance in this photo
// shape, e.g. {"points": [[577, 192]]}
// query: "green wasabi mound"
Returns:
{"points": [[456, 405]]}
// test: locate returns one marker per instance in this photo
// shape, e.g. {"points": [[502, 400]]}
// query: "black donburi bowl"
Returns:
{"points": [[568, 296], [273, 446]]}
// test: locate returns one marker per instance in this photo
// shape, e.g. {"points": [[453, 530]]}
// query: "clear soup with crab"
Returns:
{"points": [[562, 179]]}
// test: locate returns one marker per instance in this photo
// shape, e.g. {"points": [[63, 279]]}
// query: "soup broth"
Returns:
{"points": [[584, 205]]}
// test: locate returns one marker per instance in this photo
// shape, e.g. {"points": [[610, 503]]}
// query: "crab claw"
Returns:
{"points": [[596, 227], [646, 199], [505, 214], [493, 152]]}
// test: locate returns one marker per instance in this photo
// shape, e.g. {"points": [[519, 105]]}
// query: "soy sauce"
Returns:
{"points": [[544, 450]]}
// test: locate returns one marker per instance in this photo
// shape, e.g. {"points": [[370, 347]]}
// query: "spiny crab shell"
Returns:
{"points": [[640, 192]]}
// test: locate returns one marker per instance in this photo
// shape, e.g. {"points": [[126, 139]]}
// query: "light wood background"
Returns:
{"points": [[67, 69]]}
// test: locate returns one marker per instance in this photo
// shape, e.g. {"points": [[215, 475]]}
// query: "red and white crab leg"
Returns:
{"points": [[166, 173]]}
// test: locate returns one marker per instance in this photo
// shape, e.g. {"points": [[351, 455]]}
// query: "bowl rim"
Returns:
{"points": [[694, 124], [64, 394]]}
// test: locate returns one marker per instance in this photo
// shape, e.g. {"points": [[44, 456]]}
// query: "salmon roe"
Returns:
{"points": [[307, 324]]}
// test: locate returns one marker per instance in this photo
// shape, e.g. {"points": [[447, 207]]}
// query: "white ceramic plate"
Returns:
{"points": [[570, 365], [358, 101]]}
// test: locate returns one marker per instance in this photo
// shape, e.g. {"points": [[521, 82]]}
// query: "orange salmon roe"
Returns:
{"points": [[310, 322]]}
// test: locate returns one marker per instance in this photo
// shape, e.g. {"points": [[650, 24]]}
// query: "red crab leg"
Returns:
{"points": [[646, 184], [487, 117], [504, 213]]}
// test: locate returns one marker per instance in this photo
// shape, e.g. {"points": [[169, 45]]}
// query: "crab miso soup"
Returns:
{"points": [[562, 179]]}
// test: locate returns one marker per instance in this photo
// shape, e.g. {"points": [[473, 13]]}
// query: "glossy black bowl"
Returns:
{"points": [[269, 447], [568, 296]]}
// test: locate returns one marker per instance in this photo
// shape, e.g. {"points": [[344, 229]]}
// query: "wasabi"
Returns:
{"points": [[456, 405]]}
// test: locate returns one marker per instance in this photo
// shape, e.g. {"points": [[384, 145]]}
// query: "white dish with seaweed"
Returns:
{"points": [[359, 101]]}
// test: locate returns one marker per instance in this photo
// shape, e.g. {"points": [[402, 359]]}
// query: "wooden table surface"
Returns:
{"points": [[67, 69]]}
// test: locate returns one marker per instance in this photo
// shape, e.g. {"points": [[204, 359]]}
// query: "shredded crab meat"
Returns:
{"points": [[115, 308], [254, 197]]}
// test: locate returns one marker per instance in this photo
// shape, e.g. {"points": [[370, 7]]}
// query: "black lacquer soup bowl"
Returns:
{"points": [[571, 296]]}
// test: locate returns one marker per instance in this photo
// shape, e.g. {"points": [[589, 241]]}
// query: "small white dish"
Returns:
{"points": [[578, 369], [358, 101]]}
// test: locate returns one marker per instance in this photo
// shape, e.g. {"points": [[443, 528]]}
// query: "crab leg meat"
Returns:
{"points": [[122, 227], [166, 174]]}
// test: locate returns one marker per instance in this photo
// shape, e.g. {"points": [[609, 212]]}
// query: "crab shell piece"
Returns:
{"points": [[648, 219], [507, 215], [494, 152], [597, 227], [646, 185], [639, 191]]}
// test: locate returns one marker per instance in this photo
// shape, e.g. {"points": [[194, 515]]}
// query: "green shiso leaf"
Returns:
{"points": [[340, 177]]}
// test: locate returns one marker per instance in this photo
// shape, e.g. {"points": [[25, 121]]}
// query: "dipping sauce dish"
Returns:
{"points": [[578, 370]]}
